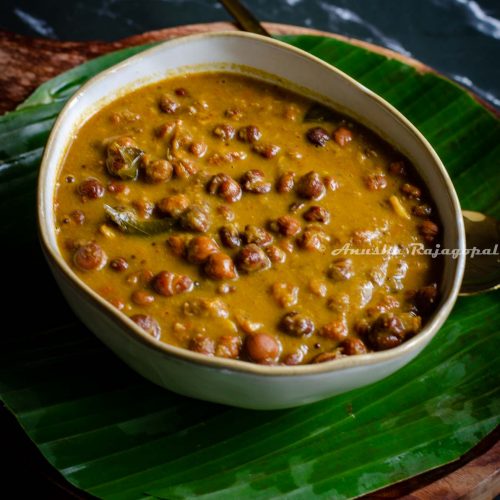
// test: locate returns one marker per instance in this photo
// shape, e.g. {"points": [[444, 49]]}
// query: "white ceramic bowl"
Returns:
{"points": [[226, 381]]}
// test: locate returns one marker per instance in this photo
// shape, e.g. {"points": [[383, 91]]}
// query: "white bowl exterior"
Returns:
{"points": [[201, 52]]}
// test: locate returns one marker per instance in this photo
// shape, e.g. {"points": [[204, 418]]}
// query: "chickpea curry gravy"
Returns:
{"points": [[210, 208]]}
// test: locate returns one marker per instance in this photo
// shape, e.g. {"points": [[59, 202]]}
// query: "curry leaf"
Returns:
{"points": [[123, 161], [128, 222]]}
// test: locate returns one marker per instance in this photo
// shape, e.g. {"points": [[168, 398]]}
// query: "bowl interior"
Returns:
{"points": [[273, 61]]}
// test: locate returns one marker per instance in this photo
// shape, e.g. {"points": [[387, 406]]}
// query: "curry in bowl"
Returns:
{"points": [[236, 218]]}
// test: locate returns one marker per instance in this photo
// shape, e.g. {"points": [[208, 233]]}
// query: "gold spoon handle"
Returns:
{"points": [[482, 272], [244, 18]]}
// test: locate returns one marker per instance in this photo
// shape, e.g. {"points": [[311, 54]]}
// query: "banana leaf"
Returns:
{"points": [[114, 435]]}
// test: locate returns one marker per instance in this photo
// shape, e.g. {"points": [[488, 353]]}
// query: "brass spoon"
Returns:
{"points": [[482, 272]]}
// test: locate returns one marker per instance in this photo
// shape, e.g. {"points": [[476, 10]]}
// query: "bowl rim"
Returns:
{"points": [[135, 333]]}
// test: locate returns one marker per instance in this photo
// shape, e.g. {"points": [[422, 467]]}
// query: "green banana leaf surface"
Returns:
{"points": [[117, 436]]}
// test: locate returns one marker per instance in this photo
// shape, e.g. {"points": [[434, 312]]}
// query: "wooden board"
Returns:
{"points": [[25, 63]]}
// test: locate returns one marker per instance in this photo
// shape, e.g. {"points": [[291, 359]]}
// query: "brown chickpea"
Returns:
{"points": [[311, 187], [262, 348], [387, 331], [225, 212], [148, 324], [340, 269], [196, 218], [198, 149], [224, 132], [143, 207], [285, 294], [250, 134], [296, 324], [142, 298], [429, 230], [177, 244], [78, 217], [313, 240], [199, 248], [230, 236], [342, 136], [288, 225], [167, 284], [353, 346], [119, 264], [251, 258], [174, 205], [426, 297], [205, 308], [330, 183], [158, 171], [335, 330], [275, 254], [362, 327], [364, 237], [219, 266], [234, 113], [397, 168], [72, 245], [375, 182], [89, 257], [184, 169], [294, 358], [286, 182], [202, 344], [317, 136], [253, 182], [228, 346], [386, 304], [168, 105], [339, 302], [267, 151], [230, 190], [225, 186], [91, 189], [142, 277], [411, 191], [165, 129], [257, 235], [215, 182], [317, 214], [422, 210]]}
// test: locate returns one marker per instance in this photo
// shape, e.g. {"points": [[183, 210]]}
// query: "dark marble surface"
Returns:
{"points": [[460, 38]]}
